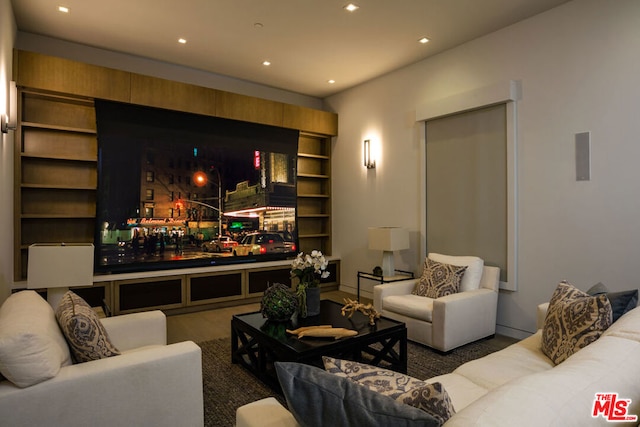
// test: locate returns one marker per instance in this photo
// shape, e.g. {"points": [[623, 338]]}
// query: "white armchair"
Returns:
{"points": [[149, 384], [447, 322]]}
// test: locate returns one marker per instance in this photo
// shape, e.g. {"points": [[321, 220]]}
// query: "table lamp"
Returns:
{"points": [[388, 240], [57, 267]]}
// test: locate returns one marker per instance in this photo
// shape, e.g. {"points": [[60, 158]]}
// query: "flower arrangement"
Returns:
{"points": [[309, 269]]}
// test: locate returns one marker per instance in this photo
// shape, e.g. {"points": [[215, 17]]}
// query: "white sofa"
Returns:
{"points": [[446, 322], [520, 386], [149, 384]]}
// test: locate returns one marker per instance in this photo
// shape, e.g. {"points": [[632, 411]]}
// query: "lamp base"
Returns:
{"points": [[54, 296], [388, 268]]}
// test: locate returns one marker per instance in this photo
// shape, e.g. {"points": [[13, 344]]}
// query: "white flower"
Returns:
{"points": [[310, 265]]}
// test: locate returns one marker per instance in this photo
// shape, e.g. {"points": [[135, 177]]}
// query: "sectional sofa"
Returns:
{"points": [[521, 386]]}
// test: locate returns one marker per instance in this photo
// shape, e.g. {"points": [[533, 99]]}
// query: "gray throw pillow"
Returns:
{"points": [[318, 399], [621, 302]]}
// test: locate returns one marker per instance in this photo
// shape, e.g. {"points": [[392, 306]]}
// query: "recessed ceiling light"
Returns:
{"points": [[266, 63], [63, 9], [352, 7], [182, 41], [424, 40], [331, 81]]}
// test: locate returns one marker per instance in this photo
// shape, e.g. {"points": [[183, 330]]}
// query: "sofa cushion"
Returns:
{"points": [[517, 360], [318, 398], [32, 348], [564, 395], [621, 302], [83, 330], [431, 397], [628, 326], [472, 275], [462, 391], [439, 279], [410, 305], [574, 320]]}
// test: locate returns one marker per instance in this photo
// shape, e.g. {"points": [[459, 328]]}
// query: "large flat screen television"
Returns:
{"points": [[184, 190]]}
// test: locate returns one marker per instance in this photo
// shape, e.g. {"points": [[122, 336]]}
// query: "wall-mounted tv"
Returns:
{"points": [[185, 190]]}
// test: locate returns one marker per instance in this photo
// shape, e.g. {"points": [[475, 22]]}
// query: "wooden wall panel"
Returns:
{"points": [[249, 109], [54, 74], [161, 93], [59, 75], [309, 120]]}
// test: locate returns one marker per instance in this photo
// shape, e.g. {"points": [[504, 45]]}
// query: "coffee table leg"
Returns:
{"points": [[403, 353], [388, 354], [234, 344]]}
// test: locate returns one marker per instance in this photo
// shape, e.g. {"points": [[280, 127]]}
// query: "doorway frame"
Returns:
{"points": [[508, 93]]}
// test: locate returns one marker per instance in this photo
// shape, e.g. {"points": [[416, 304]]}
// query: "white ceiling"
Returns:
{"points": [[307, 42]]}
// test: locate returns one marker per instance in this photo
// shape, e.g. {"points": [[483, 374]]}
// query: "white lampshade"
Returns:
{"points": [[58, 267], [387, 240]]}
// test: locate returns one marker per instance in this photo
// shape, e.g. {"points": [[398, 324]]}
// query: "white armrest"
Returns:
{"points": [[266, 412], [155, 386], [402, 287], [462, 317], [490, 278], [541, 314], [135, 330]]}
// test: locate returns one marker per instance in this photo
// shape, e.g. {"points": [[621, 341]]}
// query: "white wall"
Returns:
{"points": [[7, 39], [579, 67]]}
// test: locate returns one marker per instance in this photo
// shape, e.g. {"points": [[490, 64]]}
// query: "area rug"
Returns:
{"points": [[226, 386]]}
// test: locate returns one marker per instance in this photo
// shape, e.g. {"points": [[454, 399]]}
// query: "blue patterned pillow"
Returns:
{"points": [[87, 338]]}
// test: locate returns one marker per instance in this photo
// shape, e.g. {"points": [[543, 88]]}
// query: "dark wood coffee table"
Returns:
{"points": [[257, 343]]}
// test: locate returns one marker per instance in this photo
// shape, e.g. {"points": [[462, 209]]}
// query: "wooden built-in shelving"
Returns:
{"points": [[314, 193], [56, 153]]}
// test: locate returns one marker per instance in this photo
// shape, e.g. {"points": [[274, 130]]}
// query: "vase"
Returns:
{"points": [[310, 303]]}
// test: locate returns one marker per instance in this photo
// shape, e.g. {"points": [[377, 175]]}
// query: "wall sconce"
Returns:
{"points": [[9, 121], [369, 161]]}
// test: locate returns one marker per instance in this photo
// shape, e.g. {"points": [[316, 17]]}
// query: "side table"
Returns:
{"points": [[400, 275]]}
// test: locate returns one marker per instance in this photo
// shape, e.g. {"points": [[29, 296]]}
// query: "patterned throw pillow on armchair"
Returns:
{"points": [[439, 279]]}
